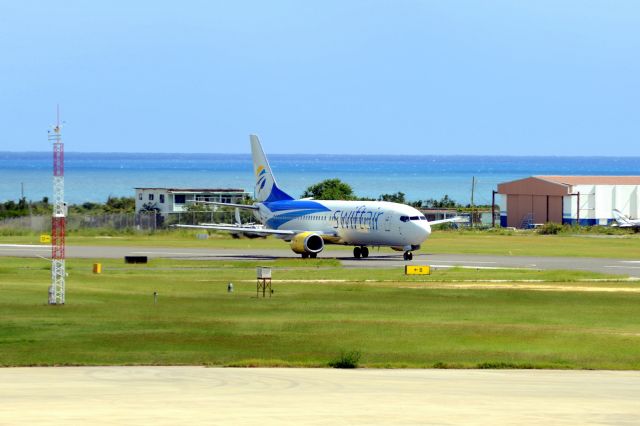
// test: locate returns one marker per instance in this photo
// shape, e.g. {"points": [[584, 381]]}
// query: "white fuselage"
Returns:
{"points": [[366, 223]]}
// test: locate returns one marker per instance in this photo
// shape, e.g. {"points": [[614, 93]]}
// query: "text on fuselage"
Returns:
{"points": [[359, 218]]}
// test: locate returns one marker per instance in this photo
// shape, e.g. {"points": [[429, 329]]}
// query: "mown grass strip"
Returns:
{"points": [[111, 319]]}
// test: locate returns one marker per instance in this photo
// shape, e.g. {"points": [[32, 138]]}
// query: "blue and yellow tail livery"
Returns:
{"points": [[266, 190]]}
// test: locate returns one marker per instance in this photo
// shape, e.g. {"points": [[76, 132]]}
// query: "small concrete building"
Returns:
{"points": [[584, 200], [176, 200]]}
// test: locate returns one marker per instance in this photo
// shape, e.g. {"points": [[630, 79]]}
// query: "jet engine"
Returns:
{"points": [[406, 248], [307, 243]]}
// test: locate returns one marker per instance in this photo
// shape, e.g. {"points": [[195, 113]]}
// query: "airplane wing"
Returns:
{"points": [[456, 219], [331, 237], [239, 229], [238, 206]]}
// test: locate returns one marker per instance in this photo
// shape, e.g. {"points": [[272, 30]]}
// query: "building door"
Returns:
{"points": [[555, 209], [519, 210], [539, 210]]}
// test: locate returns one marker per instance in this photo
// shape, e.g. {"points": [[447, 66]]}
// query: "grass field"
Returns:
{"points": [[467, 242], [318, 309]]}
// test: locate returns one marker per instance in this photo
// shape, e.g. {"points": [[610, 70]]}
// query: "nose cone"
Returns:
{"points": [[422, 230]]}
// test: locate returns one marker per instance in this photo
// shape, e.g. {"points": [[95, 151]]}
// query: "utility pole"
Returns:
{"points": [[473, 189]]}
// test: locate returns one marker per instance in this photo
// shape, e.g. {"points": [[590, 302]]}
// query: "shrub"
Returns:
{"points": [[347, 359], [504, 365], [550, 228]]}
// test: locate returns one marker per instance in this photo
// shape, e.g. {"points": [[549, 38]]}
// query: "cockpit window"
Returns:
{"points": [[422, 217], [415, 218], [404, 218]]}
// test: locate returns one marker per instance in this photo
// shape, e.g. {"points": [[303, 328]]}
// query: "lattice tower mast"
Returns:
{"points": [[58, 220]]}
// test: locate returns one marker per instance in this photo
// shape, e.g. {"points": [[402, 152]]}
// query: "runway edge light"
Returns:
{"points": [[417, 270]]}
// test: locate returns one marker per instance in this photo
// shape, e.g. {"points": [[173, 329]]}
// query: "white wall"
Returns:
{"points": [[164, 207], [569, 207], [626, 199], [597, 202], [604, 202], [501, 202]]}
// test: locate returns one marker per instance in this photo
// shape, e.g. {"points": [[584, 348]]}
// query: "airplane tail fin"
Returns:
{"points": [[620, 218], [266, 189]]}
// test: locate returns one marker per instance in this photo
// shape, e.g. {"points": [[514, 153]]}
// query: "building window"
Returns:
{"points": [[150, 197], [140, 196], [179, 198], [161, 198]]}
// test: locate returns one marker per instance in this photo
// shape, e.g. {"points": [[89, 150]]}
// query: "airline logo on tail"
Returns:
{"points": [[261, 178], [266, 189]]}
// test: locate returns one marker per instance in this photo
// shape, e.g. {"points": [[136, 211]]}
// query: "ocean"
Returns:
{"points": [[96, 176]]}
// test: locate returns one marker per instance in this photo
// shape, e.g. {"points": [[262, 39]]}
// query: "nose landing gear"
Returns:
{"points": [[408, 255], [360, 251]]}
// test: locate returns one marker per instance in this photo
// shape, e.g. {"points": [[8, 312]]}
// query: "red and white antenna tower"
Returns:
{"points": [[56, 291]]}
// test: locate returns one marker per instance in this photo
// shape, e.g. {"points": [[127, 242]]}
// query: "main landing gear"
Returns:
{"points": [[311, 255], [408, 255], [360, 252]]}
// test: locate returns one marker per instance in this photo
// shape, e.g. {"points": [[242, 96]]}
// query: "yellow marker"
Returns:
{"points": [[45, 238], [97, 268], [417, 270]]}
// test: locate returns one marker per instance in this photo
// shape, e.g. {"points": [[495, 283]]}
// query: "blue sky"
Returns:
{"points": [[359, 77]]}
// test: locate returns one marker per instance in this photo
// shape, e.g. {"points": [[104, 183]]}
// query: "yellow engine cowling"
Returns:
{"points": [[307, 242], [405, 248]]}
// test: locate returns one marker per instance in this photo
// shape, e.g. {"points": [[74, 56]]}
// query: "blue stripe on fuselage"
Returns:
{"points": [[278, 206], [292, 209], [277, 221]]}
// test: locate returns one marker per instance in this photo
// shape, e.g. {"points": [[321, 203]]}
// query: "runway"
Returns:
{"points": [[376, 260], [198, 395]]}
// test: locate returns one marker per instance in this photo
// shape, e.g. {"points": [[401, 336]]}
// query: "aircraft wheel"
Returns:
{"points": [[357, 252], [313, 255], [365, 252], [408, 255], [305, 255]]}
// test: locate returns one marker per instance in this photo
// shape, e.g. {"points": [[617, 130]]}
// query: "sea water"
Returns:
{"points": [[96, 176]]}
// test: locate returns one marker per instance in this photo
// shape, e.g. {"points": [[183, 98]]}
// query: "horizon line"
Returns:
{"points": [[337, 154]]}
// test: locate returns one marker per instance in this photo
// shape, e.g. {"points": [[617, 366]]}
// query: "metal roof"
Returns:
{"points": [[592, 180], [196, 189]]}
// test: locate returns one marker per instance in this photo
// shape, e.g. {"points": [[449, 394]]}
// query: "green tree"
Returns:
{"points": [[444, 203], [398, 197], [330, 189], [150, 207], [120, 205]]}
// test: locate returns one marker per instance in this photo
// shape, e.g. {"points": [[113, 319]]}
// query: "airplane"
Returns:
{"points": [[241, 229], [624, 221], [309, 224]]}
